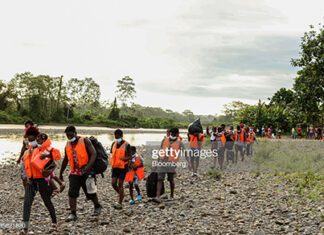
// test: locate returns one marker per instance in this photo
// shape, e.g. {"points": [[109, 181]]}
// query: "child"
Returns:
{"points": [[44, 144], [135, 174]]}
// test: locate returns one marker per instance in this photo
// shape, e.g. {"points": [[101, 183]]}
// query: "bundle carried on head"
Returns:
{"points": [[195, 127]]}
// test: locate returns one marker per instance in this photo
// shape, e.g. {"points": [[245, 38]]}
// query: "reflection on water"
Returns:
{"points": [[11, 145]]}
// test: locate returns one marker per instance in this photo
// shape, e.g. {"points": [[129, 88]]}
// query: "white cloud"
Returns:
{"points": [[174, 43]]}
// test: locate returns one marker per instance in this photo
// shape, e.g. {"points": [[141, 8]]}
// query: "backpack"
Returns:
{"points": [[151, 183], [101, 162], [195, 127]]}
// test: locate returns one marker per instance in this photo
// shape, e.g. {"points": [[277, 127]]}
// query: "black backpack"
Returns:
{"points": [[101, 163], [151, 183]]}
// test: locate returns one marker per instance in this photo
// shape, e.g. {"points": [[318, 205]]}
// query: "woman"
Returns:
{"points": [[36, 181]]}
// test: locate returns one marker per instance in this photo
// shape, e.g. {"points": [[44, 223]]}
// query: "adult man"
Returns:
{"points": [[120, 155], [240, 143], [195, 142], [81, 155], [172, 148]]}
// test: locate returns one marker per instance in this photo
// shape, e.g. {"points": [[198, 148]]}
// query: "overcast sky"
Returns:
{"points": [[188, 54]]}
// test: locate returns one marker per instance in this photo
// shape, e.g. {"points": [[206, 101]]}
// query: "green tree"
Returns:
{"points": [[114, 111], [309, 84], [126, 90], [282, 97], [4, 94], [189, 114]]}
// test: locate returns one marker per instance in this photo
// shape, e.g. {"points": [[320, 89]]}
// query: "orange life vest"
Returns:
{"points": [[139, 171], [193, 141], [242, 136], [171, 150], [117, 154], [45, 149], [222, 138], [81, 153], [31, 172], [251, 137]]}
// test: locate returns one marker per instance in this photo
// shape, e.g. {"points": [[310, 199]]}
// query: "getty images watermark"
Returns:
{"points": [[161, 157], [12, 225]]}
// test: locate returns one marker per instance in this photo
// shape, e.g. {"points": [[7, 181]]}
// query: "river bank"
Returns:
{"points": [[240, 202]]}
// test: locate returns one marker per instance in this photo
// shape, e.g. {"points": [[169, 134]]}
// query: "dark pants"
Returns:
{"points": [[45, 191], [77, 182]]}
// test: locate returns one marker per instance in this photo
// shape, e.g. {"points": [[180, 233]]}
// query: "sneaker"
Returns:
{"points": [[139, 198], [170, 198], [157, 200], [131, 202], [117, 206], [97, 211], [72, 217]]}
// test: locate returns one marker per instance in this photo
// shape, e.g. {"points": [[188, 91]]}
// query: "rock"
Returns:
{"points": [[126, 230], [161, 206], [233, 192]]}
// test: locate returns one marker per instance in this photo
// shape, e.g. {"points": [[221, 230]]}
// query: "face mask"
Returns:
{"points": [[39, 145], [119, 140], [173, 137], [72, 140], [33, 143]]}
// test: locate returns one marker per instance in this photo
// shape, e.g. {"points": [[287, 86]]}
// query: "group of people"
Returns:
{"points": [[38, 161], [37, 165], [311, 133], [231, 143]]}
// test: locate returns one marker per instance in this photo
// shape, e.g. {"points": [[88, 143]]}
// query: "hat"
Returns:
{"points": [[242, 124]]}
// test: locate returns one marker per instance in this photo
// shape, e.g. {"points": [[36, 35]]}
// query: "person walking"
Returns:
{"points": [[81, 155]]}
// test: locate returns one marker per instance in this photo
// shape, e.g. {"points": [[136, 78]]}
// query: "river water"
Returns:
{"points": [[11, 143]]}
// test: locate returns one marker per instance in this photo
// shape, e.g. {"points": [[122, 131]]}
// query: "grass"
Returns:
{"points": [[298, 162], [215, 174]]}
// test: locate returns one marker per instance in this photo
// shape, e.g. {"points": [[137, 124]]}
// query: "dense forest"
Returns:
{"points": [[47, 99]]}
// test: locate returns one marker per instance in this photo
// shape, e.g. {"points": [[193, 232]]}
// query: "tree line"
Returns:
{"points": [[47, 99]]}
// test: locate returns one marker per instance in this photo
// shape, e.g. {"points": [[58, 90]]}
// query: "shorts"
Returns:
{"points": [[22, 171], [194, 155], [229, 145], [77, 182], [119, 173], [161, 176]]}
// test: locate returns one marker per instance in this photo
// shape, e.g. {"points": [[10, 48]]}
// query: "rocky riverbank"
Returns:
{"points": [[240, 202]]}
